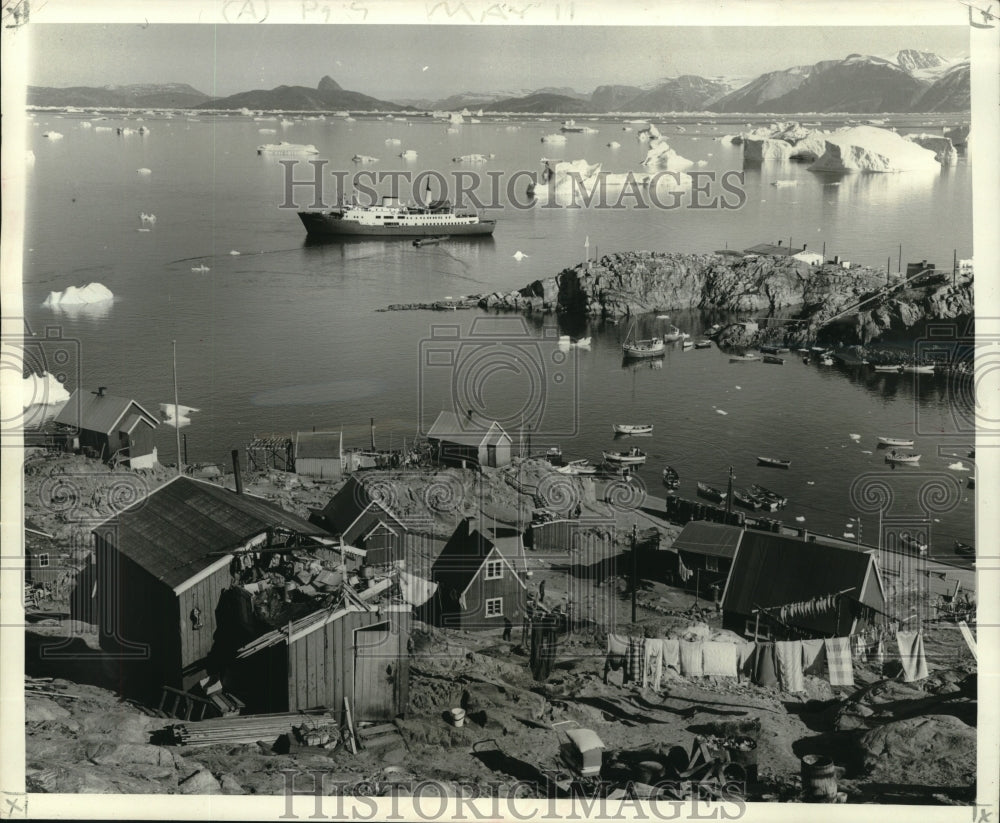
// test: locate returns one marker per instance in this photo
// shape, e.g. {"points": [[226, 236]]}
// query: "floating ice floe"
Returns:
{"points": [[720, 411], [648, 134], [408, 154], [849, 535], [943, 148], [42, 390], [287, 148], [556, 139], [866, 451], [781, 184], [86, 124], [78, 296], [456, 119], [393, 141], [201, 269], [868, 149], [738, 388], [144, 230], [519, 255], [471, 158], [810, 482], [148, 219], [854, 436], [103, 128], [800, 519], [234, 253], [52, 135], [267, 131], [364, 158], [614, 144], [959, 467], [144, 172], [169, 410]]}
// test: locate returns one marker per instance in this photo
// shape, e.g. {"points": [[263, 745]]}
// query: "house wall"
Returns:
{"points": [[323, 468], [703, 577], [142, 448], [500, 458], [452, 454], [473, 616], [195, 644], [97, 441], [383, 546]]}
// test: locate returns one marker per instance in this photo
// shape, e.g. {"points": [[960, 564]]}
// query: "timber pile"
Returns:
{"points": [[245, 729]]}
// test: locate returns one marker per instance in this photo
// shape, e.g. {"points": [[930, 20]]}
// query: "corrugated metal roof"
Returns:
{"points": [[172, 531], [317, 445], [771, 570], [466, 432], [771, 249], [99, 413], [711, 539]]}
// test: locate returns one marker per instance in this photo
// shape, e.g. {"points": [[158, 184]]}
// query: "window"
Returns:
{"points": [[494, 570], [43, 560], [762, 632], [494, 607], [711, 564]]}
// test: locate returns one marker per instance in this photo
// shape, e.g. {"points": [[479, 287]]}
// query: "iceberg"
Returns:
{"points": [[456, 119], [78, 296], [519, 255], [102, 128], [169, 410], [943, 148], [470, 158], [614, 144], [409, 154], [149, 219], [364, 158], [144, 172], [267, 131], [648, 134], [393, 141], [287, 148], [234, 253], [870, 149], [201, 269], [554, 138], [453, 129], [52, 135], [661, 156], [86, 124], [42, 390], [757, 150]]}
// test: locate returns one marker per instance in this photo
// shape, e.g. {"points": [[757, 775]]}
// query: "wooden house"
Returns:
{"points": [[319, 455], [324, 657], [361, 521], [787, 588], [162, 567], [44, 559], [468, 441], [477, 584], [115, 429], [705, 552]]}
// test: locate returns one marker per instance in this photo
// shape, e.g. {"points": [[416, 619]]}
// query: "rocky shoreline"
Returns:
{"points": [[802, 302]]}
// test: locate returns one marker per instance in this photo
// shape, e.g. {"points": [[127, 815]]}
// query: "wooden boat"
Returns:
{"points": [[671, 479], [673, 335], [430, 241], [633, 457], [687, 344], [773, 358], [893, 457], [742, 358], [579, 467], [919, 369], [703, 344], [826, 361], [748, 501], [711, 493], [772, 349], [767, 494], [898, 442], [891, 369], [912, 543], [715, 328], [635, 349], [633, 428], [776, 462], [964, 549]]}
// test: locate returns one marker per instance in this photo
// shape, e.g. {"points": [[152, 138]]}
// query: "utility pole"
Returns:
{"points": [[729, 496], [177, 416], [635, 572], [954, 267], [899, 262]]}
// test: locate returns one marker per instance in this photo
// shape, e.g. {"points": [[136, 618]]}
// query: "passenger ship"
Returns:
{"points": [[391, 218]]}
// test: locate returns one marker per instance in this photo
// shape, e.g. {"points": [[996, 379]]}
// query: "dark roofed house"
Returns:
{"points": [[478, 586], [318, 454], [115, 429], [364, 522], [468, 440], [707, 550], [823, 588], [162, 566], [772, 250]]}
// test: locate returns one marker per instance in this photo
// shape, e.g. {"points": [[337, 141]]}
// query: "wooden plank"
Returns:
{"points": [[350, 727], [970, 641]]}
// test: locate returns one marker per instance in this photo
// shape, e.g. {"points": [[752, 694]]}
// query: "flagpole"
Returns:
{"points": [[177, 414]]}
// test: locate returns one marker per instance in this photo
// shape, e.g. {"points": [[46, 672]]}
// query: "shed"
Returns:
{"points": [[772, 250], [478, 586], [363, 521], [317, 661], [811, 257], [44, 559], [162, 566], [319, 454], [771, 571], [469, 440], [115, 429], [707, 550]]}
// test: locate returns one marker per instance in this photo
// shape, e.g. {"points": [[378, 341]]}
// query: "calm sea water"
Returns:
{"points": [[285, 335]]}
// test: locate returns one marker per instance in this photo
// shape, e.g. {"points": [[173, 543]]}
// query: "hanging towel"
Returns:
{"points": [[719, 659], [636, 658], [789, 655], [691, 658], [813, 657], [671, 655], [838, 661], [652, 669], [911, 655], [765, 673], [617, 644]]}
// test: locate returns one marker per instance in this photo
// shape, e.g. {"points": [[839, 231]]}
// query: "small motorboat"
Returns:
{"points": [[773, 349], [654, 347], [773, 358], [633, 457], [633, 428], [895, 457], [912, 543], [703, 344], [826, 361], [767, 494], [430, 241], [964, 549], [711, 493], [748, 501], [687, 344], [916, 369], [554, 456], [579, 467], [776, 462], [673, 335], [742, 358], [898, 442], [889, 369], [671, 479]]}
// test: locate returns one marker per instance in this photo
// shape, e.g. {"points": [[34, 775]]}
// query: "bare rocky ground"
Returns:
{"points": [[896, 742]]}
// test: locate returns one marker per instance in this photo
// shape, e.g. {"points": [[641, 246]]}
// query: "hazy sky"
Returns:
{"points": [[388, 61]]}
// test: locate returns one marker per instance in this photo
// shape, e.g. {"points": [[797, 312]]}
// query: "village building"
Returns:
{"points": [[116, 430], [478, 586], [469, 441], [162, 567], [44, 560], [788, 588], [357, 519], [319, 455], [705, 555]]}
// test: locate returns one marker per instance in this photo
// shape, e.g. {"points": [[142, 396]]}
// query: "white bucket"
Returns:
{"points": [[458, 717]]}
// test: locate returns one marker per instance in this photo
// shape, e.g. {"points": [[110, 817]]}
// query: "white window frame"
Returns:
{"points": [[489, 605], [494, 566], [43, 560]]}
